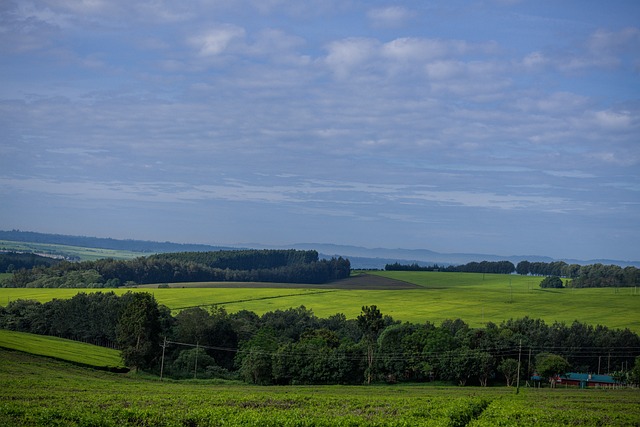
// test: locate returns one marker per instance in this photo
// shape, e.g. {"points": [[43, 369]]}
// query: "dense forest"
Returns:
{"points": [[580, 276], [294, 346], [286, 266], [12, 261]]}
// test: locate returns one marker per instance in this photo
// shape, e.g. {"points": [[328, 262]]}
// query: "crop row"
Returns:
{"points": [[39, 392]]}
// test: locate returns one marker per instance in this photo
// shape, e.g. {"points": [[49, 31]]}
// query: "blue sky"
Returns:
{"points": [[496, 126]]}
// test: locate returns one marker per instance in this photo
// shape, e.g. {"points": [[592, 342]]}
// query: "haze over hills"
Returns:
{"points": [[360, 257]]}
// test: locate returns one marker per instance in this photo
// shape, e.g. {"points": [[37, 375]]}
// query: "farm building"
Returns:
{"points": [[586, 380]]}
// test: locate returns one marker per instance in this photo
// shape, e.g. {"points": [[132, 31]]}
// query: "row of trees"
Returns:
{"points": [[496, 267], [294, 346], [584, 276], [286, 266], [581, 276]]}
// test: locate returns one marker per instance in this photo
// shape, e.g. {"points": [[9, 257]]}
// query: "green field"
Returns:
{"points": [[58, 348], [85, 254], [42, 392], [473, 297]]}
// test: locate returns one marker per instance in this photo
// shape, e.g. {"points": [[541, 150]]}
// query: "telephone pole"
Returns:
{"points": [[529, 367], [195, 371], [519, 357], [164, 345]]}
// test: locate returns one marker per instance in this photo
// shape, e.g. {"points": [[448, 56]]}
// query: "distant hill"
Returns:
{"points": [[360, 257], [142, 246]]}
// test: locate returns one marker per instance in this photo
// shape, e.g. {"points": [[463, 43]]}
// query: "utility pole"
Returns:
{"points": [[609, 363], [529, 366], [164, 345], [195, 371], [519, 356], [599, 359]]}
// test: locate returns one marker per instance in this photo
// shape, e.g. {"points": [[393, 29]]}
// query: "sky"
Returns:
{"points": [[507, 127]]}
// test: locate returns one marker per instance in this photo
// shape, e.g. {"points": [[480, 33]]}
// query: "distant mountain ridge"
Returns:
{"points": [[360, 257], [428, 257]]}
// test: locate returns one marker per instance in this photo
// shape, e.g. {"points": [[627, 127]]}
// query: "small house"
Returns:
{"points": [[586, 380]]}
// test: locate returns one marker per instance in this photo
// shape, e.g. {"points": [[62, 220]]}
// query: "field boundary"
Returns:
{"points": [[254, 299], [46, 345]]}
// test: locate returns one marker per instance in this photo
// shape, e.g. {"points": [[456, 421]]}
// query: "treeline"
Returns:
{"points": [[287, 266], [584, 276], [581, 276], [294, 346], [12, 261], [496, 267]]}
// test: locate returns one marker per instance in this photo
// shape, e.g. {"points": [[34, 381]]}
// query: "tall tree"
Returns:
{"points": [[370, 322], [138, 330]]}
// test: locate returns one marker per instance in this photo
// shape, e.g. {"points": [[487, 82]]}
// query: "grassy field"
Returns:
{"points": [[85, 254], [44, 392], [72, 351], [475, 298]]}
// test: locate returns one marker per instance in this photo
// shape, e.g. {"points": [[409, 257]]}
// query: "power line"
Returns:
{"points": [[571, 352]]}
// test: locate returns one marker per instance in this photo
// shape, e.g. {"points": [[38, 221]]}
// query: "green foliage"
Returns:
{"points": [[551, 282], [509, 368], [255, 357], [475, 297], [194, 362], [43, 392], [12, 261], [370, 322], [550, 365], [138, 331], [289, 266], [62, 349], [634, 374], [495, 267]]}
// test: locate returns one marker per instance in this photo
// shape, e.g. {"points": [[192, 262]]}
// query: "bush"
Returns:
{"points": [[551, 282]]}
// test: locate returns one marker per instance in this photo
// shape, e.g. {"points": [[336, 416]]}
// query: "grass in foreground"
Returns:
{"points": [[43, 392], [59, 348]]}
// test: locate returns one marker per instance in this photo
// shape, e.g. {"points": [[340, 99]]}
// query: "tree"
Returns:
{"points": [[188, 361], [523, 268], [256, 357], [485, 365], [634, 374], [370, 322], [551, 282], [138, 330], [551, 365], [509, 368]]}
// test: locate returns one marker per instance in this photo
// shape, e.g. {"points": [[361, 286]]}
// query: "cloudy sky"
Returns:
{"points": [[495, 126]]}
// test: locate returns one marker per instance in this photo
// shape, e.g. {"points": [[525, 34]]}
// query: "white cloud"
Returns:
{"points": [[83, 7], [556, 102], [612, 119], [417, 49], [608, 42], [348, 54], [216, 40], [389, 17]]}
